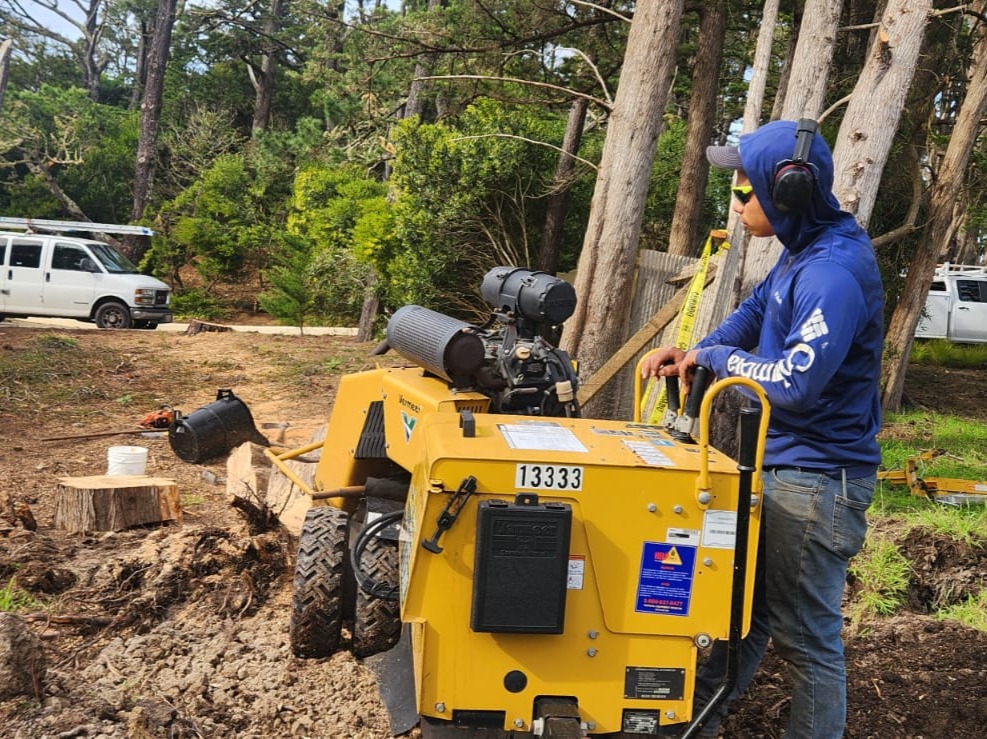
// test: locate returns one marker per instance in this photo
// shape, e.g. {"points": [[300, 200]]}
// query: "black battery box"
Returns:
{"points": [[521, 566]]}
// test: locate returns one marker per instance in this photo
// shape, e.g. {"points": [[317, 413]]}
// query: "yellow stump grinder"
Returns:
{"points": [[510, 568]]}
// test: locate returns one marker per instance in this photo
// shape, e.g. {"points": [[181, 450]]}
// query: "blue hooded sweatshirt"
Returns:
{"points": [[812, 332]]}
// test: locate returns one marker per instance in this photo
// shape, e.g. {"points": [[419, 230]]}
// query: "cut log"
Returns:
{"points": [[196, 326], [115, 502]]}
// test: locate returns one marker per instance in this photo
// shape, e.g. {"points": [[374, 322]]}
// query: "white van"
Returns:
{"points": [[53, 275], [956, 307]]}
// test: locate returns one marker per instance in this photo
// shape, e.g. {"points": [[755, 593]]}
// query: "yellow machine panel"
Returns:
{"points": [[372, 424], [647, 570]]}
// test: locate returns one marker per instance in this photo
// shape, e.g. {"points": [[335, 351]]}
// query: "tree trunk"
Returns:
{"points": [[872, 116], [140, 66], [548, 255], [945, 191], [415, 104], [606, 264], [4, 68], [264, 85], [147, 153], [759, 79], [92, 67], [684, 238], [368, 312], [68, 204]]}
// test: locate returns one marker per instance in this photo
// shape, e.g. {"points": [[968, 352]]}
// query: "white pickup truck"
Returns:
{"points": [[46, 274], [956, 308]]}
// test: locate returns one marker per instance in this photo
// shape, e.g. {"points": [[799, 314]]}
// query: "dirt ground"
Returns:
{"points": [[181, 630]]}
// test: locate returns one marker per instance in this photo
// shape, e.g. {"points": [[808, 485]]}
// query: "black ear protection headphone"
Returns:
{"points": [[794, 179]]}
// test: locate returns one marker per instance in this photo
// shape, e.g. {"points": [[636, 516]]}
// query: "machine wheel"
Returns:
{"points": [[377, 622], [317, 594], [112, 315]]}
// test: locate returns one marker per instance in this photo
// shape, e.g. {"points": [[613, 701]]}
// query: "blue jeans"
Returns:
{"points": [[811, 525]]}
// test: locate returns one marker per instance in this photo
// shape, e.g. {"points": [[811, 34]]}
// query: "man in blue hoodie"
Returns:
{"points": [[811, 334]]}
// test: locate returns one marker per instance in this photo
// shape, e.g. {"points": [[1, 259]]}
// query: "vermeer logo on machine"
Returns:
{"points": [[409, 404], [408, 424]]}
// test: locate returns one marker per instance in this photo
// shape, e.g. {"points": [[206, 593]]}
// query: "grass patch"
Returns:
{"points": [[972, 612], [47, 369], [882, 573], [14, 599], [968, 525], [944, 353]]}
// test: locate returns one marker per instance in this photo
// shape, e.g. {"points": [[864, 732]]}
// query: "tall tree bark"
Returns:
{"points": [[945, 192], [548, 254], [4, 69], [875, 108], [140, 65], [684, 237], [147, 144], [415, 104], [264, 82], [758, 83], [606, 264]]}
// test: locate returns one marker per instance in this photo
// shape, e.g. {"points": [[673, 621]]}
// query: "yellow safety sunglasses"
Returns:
{"points": [[743, 193]]}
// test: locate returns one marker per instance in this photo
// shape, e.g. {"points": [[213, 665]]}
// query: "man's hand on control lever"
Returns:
{"points": [[670, 360]]}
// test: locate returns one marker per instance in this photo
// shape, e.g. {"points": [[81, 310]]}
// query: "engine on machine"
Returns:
{"points": [[513, 358]]}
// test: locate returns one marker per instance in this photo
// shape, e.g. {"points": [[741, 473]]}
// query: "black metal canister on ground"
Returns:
{"points": [[214, 429]]}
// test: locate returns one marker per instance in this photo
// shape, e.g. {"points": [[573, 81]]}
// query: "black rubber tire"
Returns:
{"points": [[112, 315], [377, 622], [317, 594]]}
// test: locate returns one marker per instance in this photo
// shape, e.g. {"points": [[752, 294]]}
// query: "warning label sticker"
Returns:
{"points": [[665, 582], [719, 529], [577, 571]]}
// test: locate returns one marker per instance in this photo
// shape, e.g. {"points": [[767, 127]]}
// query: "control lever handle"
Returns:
{"points": [[672, 392], [700, 380]]}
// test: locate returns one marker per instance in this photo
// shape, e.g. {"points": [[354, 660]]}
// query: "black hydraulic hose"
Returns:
{"points": [[367, 584]]}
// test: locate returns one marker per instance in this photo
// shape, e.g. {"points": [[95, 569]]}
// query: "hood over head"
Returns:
{"points": [[759, 155]]}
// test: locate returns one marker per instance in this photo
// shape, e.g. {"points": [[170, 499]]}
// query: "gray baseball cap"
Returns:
{"points": [[727, 157]]}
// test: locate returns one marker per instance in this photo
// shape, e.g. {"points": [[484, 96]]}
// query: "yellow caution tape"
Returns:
{"points": [[687, 325]]}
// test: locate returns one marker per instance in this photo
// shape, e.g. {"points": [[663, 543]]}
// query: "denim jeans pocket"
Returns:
{"points": [[795, 481], [850, 517]]}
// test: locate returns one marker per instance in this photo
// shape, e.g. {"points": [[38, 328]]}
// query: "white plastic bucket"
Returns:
{"points": [[126, 460]]}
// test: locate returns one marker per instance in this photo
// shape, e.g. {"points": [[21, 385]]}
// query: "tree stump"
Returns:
{"points": [[115, 502]]}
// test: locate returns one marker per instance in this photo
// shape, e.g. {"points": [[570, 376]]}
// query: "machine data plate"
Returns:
{"points": [[639, 721], [654, 683]]}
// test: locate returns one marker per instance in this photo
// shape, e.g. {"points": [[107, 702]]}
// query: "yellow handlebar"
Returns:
{"points": [[704, 412]]}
